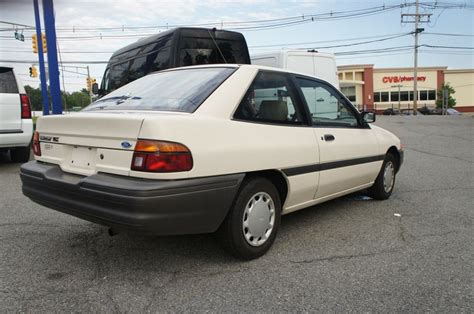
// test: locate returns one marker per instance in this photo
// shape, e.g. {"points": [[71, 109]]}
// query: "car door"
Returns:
{"points": [[348, 147], [274, 107]]}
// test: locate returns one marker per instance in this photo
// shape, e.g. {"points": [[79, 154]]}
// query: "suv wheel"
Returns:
{"points": [[20, 154], [251, 225]]}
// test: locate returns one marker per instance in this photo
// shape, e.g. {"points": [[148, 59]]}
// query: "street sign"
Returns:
{"points": [[19, 36]]}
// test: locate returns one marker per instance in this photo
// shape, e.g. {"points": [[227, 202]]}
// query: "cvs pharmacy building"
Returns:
{"points": [[383, 88]]}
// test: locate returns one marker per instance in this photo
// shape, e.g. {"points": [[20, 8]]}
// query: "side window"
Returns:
{"points": [[325, 105], [270, 98], [7, 81]]}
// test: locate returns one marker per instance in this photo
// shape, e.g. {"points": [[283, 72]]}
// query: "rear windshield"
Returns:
{"points": [[7, 81], [180, 90]]}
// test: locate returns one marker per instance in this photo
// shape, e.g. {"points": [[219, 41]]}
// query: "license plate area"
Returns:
{"points": [[83, 157]]}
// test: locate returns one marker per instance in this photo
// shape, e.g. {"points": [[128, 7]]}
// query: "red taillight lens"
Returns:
{"points": [[36, 144], [159, 156], [25, 107]]}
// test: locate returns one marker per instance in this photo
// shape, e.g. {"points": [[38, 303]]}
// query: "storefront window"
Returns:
{"points": [[423, 95], [377, 97], [432, 95], [403, 96], [394, 96], [384, 97], [411, 95]]}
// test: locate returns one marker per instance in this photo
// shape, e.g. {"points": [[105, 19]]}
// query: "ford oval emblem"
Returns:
{"points": [[126, 144]]}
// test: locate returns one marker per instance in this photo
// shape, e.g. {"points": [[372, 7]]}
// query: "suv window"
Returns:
{"points": [[7, 81], [270, 98], [326, 105]]}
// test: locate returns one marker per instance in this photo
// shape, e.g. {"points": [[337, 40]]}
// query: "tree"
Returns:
{"points": [[75, 100], [451, 99]]}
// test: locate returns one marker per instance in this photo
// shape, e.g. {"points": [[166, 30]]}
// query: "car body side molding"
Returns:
{"points": [[294, 171]]}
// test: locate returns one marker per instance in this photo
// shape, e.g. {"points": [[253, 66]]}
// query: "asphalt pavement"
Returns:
{"points": [[411, 253]]}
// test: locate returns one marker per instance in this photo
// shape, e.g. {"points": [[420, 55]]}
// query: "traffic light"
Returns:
{"points": [[43, 41], [33, 71], [34, 43], [88, 83]]}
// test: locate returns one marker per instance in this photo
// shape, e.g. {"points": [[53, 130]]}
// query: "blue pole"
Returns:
{"points": [[44, 87], [49, 25]]}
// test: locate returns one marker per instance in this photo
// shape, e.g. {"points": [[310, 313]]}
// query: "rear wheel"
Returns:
{"points": [[251, 225], [20, 154], [383, 185]]}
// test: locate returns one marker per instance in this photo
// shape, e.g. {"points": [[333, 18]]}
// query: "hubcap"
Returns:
{"points": [[258, 219], [388, 177]]}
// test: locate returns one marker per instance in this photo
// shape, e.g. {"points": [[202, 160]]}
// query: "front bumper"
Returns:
{"points": [[161, 207]]}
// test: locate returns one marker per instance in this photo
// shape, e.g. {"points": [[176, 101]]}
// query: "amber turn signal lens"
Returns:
{"points": [[148, 146]]}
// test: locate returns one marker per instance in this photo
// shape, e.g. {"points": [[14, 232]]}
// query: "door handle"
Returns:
{"points": [[329, 137]]}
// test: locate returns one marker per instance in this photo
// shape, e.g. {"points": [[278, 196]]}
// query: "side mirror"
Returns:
{"points": [[368, 116], [95, 88]]}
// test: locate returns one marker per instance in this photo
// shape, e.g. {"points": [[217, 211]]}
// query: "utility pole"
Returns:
{"points": [[44, 87], [49, 25], [416, 18]]}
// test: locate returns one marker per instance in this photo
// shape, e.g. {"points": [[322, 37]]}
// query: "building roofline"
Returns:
{"points": [[354, 66], [459, 71]]}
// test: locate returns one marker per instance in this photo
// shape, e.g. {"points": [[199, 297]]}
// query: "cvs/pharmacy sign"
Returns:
{"points": [[401, 79]]}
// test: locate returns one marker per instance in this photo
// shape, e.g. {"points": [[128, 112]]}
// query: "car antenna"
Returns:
{"points": [[215, 43]]}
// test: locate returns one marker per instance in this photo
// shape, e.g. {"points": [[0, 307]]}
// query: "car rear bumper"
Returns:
{"points": [[162, 207]]}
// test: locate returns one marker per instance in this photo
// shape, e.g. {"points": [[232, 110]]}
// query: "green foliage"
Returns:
{"points": [[451, 99], [76, 100]]}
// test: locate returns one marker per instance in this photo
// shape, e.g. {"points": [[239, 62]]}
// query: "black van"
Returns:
{"points": [[174, 48]]}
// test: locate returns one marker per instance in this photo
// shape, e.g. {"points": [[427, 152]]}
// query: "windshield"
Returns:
{"points": [[179, 90]]}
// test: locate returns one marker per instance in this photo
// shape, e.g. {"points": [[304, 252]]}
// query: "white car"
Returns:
{"points": [[223, 148], [16, 126]]}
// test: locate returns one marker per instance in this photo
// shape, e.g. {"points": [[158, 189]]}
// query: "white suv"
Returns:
{"points": [[16, 126]]}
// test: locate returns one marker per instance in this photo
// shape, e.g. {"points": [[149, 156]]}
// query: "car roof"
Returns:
{"points": [[229, 65]]}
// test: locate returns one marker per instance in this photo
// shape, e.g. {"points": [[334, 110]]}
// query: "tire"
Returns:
{"points": [[381, 190], [20, 154], [258, 194]]}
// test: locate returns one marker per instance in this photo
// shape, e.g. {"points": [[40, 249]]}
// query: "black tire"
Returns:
{"points": [[231, 232], [378, 190], [20, 154]]}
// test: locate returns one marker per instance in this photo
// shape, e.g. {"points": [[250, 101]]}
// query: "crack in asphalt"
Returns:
{"points": [[438, 155], [336, 257]]}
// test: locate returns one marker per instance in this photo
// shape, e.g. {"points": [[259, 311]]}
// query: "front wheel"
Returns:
{"points": [[383, 185], [251, 225]]}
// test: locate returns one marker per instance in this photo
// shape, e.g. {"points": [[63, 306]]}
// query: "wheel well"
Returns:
{"points": [[394, 152], [277, 178]]}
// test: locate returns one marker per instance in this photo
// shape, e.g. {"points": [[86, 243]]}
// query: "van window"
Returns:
{"points": [[271, 98], [195, 51], [179, 90], [7, 81]]}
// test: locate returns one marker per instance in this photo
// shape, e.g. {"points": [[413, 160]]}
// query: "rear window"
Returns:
{"points": [[179, 90], [7, 81]]}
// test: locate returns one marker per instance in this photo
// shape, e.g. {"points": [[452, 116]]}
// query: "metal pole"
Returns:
{"points": [[44, 87], [415, 74], [90, 89], [49, 24]]}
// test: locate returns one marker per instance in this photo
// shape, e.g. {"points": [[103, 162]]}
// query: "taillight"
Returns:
{"points": [[25, 107], [160, 156], [36, 144]]}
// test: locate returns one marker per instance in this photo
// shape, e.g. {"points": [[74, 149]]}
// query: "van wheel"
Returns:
{"points": [[251, 225], [20, 154], [383, 185]]}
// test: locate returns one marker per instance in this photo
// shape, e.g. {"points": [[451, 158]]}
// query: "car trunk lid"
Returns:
{"points": [[87, 143]]}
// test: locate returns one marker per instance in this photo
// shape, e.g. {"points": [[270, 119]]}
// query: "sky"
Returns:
{"points": [[78, 26]]}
